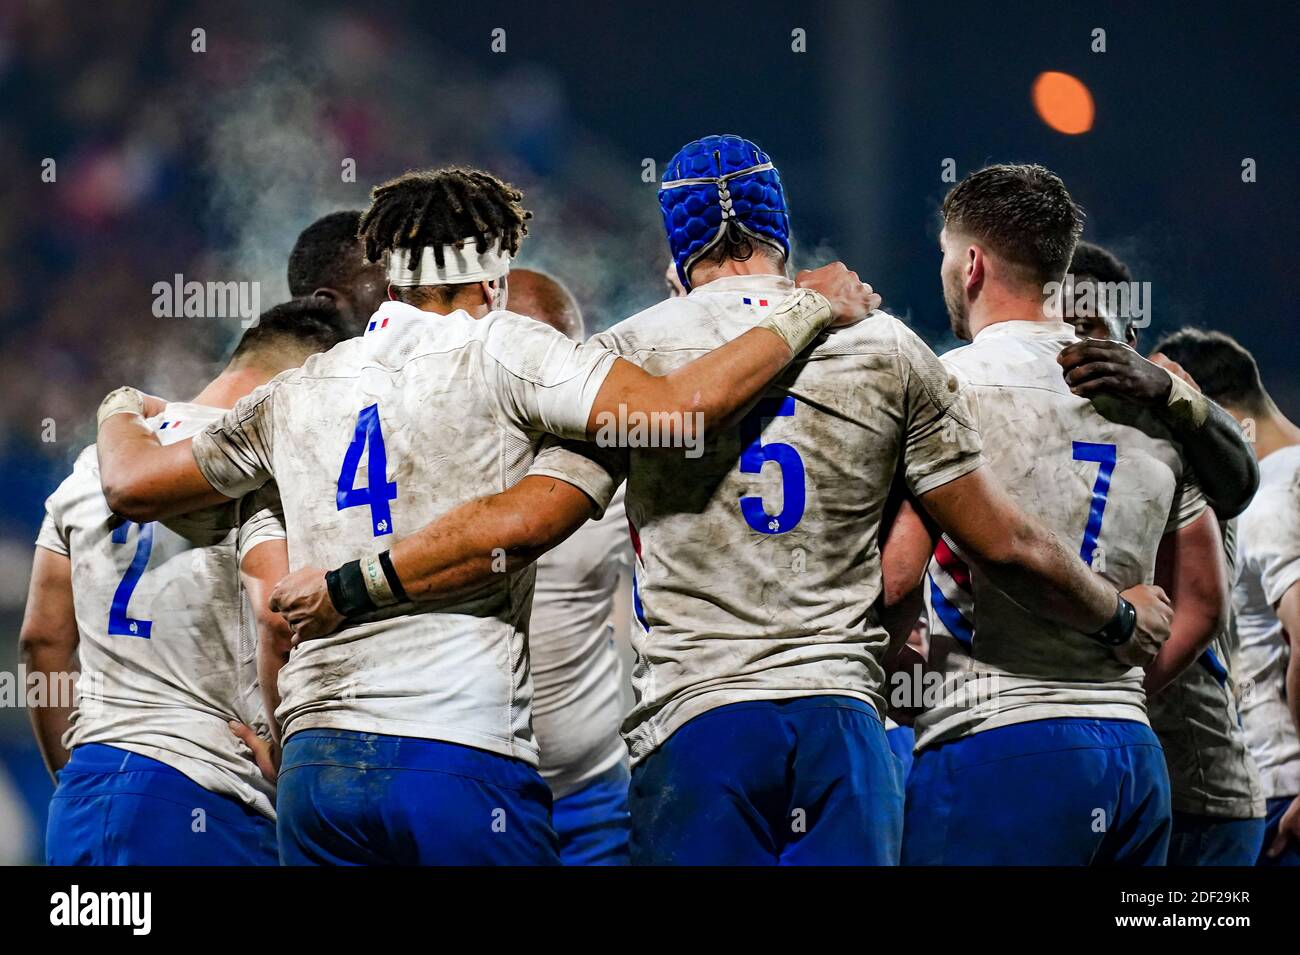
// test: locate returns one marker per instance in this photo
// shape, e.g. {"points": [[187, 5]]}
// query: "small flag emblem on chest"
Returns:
{"points": [[383, 324], [762, 302]]}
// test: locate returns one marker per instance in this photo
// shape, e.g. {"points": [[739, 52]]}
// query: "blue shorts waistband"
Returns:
{"points": [[349, 749]]}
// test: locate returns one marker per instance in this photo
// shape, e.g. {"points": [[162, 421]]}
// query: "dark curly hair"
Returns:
{"points": [[441, 207]]}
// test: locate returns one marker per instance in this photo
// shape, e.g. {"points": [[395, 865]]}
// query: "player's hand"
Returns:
{"points": [[1095, 366], [265, 752], [1155, 615], [304, 601], [851, 299], [1175, 369], [1288, 830], [153, 405]]}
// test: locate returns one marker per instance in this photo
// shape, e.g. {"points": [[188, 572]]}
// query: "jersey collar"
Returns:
{"points": [[746, 283], [1019, 329]]}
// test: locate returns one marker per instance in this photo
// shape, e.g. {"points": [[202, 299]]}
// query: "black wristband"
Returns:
{"points": [[394, 584], [1120, 627], [347, 589]]}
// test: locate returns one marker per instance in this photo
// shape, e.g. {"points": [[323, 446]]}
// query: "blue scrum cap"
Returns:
{"points": [[717, 185]]}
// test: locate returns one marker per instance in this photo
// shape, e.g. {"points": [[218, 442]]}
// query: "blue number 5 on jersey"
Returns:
{"points": [[755, 454], [378, 490]]}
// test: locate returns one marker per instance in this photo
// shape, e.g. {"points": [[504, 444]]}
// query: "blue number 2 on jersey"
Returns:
{"points": [[119, 624], [755, 453], [378, 490], [1104, 456]]}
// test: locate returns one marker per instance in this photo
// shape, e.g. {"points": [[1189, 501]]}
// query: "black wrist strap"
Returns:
{"points": [[394, 584], [1120, 628], [347, 589]]}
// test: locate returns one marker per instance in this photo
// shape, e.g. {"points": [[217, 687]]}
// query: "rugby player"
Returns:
{"points": [[1267, 592], [1218, 805], [149, 771], [582, 595], [1040, 751]]}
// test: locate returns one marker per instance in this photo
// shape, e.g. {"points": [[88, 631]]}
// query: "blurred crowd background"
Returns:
{"points": [[207, 164]]}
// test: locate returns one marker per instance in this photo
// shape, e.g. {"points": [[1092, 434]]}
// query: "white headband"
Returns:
{"points": [[461, 265]]}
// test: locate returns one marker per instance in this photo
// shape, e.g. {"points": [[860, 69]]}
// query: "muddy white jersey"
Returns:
{"points": [[1107, 479], [1211, 772], [1269, 566], [369, 442], [577, 674], [167, 643], [757, 559]]}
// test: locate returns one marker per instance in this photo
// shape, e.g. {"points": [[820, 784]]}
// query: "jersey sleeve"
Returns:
{"points": [[1275, 541], [234, 452], [545, 381], [53, 535], [941, 441], [261, 519], [1188, 504], [593, 470]]}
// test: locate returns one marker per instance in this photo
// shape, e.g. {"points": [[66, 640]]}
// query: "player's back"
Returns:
{"points": [[1106, 479], [167, 646], [758, 559], [371, 441], [577, 673]]}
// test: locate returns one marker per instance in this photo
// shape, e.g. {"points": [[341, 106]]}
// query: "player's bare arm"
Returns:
{"points": [[142, 479], [259, 571], [1191, 569], [1033, 568], [1288, 612], [47, 644], [904, 554], [723, 382], [1212, 441], [469, 546]]}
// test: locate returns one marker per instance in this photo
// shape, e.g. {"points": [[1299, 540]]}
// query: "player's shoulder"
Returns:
{"points": [[80, 484], [878, 332], [674, 320], [1279, 489]]}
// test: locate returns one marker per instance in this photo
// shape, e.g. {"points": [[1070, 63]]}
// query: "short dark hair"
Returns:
{"points": [[326, 254], [1024, 213], [1224, 370], [1091, 259], [298, 328], [739, 246]]}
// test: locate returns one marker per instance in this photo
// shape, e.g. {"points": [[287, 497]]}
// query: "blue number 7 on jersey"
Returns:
{"points": [[1104, 455], [378, 490]]}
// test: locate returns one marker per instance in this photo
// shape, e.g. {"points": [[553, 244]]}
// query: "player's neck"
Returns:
{"points": [[997, 305], [1273, 432], [727, 268], [231, 385]]}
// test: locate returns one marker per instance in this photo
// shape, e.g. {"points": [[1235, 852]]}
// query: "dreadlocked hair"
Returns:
{"points": [[441, 207]]}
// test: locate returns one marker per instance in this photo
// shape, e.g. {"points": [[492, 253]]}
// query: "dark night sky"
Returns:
{"points": [[1184, 92]]}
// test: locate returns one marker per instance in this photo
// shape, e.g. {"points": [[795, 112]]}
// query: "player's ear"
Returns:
{"points": [[974, 266]]}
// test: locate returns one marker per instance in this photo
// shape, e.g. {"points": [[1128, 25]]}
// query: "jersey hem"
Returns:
{"points": [[416, 730]]}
